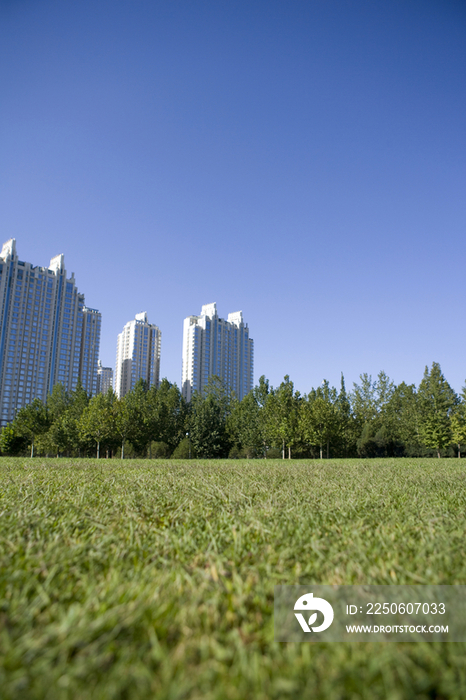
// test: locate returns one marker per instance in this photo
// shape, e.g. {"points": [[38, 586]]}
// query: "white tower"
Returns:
{"points": [[47, 334], [211, 346]]}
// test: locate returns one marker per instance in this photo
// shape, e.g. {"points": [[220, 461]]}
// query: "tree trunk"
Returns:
{"points": [[122, 449], [321, 450], [459, 451], [438, 454], [283, 449], [289, 452], [98, 450], [32, 448]]}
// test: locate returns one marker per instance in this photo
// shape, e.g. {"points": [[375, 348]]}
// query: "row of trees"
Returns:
{"points": [[377, 418]]}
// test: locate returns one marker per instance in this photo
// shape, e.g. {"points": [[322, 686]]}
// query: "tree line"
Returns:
{"points": [[376, 419]]}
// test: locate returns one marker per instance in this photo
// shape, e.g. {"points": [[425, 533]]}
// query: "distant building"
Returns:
{"points": [[138, 355], [104, 378], [211, 346], [47, 334]]}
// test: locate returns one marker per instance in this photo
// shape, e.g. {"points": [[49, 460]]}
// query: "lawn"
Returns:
{"points": [[143, 579]]}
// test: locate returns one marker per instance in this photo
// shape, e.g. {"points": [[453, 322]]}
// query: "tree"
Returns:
{"points": [[261, 393], [98, 420], [58, 401], [281, 416], [369, 403], [32, 420], [363, 400], [207, 431], [401, 418], [79, 400], [458, 422], [11, 442], [166, 414], [346, 434], [319, 419], [123, 419], [243, 425], [135, 418], [437, 401]]}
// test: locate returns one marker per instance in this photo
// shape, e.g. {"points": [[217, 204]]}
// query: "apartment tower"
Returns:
{"points": [[104, 378], [213, 346], [47, 334], [138, 355]]}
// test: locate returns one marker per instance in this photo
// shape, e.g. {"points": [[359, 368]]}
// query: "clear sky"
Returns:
{"points": [[300, 160]]}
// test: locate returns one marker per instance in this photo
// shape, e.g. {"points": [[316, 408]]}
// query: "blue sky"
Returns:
{"points": [[301, 161]]}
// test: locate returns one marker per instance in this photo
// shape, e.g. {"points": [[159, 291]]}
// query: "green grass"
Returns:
{"points": [[143, 579]]}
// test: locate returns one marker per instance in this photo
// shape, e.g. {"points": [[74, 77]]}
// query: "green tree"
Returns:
{"points": [[346, 437], [319, 421], [207, 419], [183, 450], [97, 422], [135, 411], [364, 400], [79, 400], [401, 416], [243, 425], [207, 430], [58, 401], [11, 442], [166, 414], [261, 393], [123, 421], [369, 404], [458, 422], [32, 420], [437, 401], [281, 416]]}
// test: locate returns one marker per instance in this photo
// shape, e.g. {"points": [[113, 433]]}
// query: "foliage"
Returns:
{"points": [[11, 441], [207, 431], [98, 420], [244, 427], [458, 422], [437, 401], [167, 414], [319, 418], [377, 419], [158, 450], [281, 416], [32, 420], [184, 450]]}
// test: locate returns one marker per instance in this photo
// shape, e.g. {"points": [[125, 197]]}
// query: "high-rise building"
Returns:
{"points": [[211, 346], [47, 334], [104, 378], [138, 355]]}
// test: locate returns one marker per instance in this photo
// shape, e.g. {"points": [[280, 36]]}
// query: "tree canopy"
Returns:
{"points": [[377, 418]]}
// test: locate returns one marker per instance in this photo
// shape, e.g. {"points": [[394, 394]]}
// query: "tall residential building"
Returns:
{"points": [[104, 378], [47, 334], [212, 345], [138, 355]]}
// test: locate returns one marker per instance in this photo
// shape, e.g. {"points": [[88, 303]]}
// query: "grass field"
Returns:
{"points": [[143, 579]]}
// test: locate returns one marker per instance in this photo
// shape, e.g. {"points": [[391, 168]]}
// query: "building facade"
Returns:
{"points": [[138, 355], [47, 334], [213, 346], [104, 378]]}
